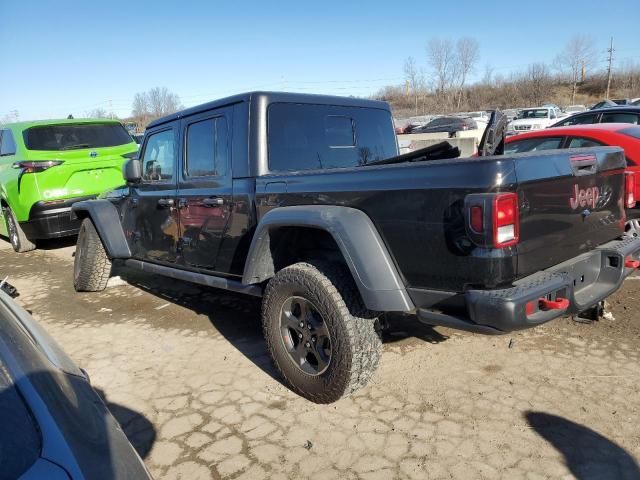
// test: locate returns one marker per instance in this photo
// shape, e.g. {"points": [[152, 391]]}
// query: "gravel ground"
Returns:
{"points": [[185, 371]]}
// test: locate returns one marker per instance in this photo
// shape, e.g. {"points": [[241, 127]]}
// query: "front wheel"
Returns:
{"points": [[91, 265], [17, 237], [322, 339]]}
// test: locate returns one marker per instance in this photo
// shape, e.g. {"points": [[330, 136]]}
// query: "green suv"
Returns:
{"points": [[46, 166]]}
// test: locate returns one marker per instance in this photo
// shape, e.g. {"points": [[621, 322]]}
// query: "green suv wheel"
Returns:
{"points": [[18, 239]]}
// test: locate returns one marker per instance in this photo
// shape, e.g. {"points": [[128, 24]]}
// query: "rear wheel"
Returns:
{"points": [[322, 339], [632, 228], [17, 237], [91, 266]]}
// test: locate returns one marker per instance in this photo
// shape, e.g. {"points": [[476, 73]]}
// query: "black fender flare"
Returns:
{"points": [[366, 255], [106, 219]]}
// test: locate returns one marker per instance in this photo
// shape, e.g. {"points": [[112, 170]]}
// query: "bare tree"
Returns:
{"points": [[487, 77], [412, 78], [155, 103], [97, 113], [468, 54], [628, 78], [442, 59], [537, 82], [576, 58], [162, 102], [140, 105]]}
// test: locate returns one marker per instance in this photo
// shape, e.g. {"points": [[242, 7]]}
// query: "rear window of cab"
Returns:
{"points": [[308, 136], [70, 136]]}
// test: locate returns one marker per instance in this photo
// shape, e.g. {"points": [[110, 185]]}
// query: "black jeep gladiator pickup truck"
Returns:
{"points": [[304, 201]]}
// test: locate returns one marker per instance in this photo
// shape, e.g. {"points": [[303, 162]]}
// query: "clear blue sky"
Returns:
{"points": [[63, 57]]}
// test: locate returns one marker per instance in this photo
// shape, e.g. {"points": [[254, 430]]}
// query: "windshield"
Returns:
{"points": [[534, 113], [76, 136]]}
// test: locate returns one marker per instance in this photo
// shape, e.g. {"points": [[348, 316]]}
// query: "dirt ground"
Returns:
{"points": [[185, 371]]}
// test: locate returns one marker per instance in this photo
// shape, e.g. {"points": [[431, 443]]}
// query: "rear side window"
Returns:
{"points": [[7, 143], [159, 157], [305, 136], [584, 143], [207, 148], [620, 118], [75, 136], [578, 120], [533, 145], [631, 132]]}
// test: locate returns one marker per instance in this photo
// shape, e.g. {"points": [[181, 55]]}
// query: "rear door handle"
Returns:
{"points": [[213, 202], [165, 202]]}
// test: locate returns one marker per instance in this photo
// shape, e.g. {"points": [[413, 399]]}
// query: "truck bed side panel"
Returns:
{"points": [[416, 209]]}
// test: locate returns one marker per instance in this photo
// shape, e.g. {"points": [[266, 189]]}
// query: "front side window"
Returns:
{"points": [[7, 143], [207, 148], [307, 136], [532, 145], [159, 157], [578, 120], [70, 136]]}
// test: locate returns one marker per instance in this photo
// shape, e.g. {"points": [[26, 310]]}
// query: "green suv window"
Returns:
{"points": [[71, 137], [7, 143]]}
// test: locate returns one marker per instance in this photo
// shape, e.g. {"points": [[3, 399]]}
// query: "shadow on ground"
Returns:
{"points": [[55, 243], [139, 430], [587, 454], [237, 316]]}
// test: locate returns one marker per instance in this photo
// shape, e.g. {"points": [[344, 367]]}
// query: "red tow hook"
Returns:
{"points": [[557, 304], [631, 263]]}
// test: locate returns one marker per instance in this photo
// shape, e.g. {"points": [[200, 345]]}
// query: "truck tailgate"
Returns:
{"points": [[570, 203]]}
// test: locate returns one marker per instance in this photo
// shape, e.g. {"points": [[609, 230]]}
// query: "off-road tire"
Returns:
{"points": [[91, 266], [354, 331], [17, 237]]}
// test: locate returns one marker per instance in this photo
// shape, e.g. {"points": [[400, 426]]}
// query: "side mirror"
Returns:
{"points": [[132, 171]]}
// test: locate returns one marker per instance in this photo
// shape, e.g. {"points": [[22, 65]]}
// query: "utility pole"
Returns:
{"points": [[610, 51], [111, 109]]}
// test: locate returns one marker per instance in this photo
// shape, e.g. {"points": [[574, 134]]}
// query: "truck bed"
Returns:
{"points": [[418, 209]]}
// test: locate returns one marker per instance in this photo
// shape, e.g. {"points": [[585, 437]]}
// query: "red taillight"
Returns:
{"points": [[36, 166], [505, 220], [629, 189], [476, 219]]}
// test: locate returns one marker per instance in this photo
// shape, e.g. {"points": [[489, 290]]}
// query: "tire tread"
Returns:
{"points": [[94, 264], [359, 358]]}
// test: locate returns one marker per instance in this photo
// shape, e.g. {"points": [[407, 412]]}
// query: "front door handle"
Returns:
{"points": [[165, 202], [213, 202]]}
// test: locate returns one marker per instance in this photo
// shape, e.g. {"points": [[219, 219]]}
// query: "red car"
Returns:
{"points": [[623, 135]]}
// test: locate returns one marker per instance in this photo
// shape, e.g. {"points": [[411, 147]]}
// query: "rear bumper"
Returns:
{"points": [[52, 220], [583, 281]]}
